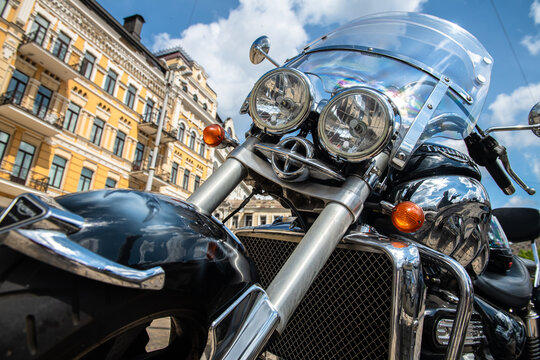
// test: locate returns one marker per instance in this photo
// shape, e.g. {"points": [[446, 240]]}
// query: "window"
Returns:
{"points": [[148, 110], [118, 148], [87, 65], [56, 173], [195, 97], [197, 182], [184, 87], [97, 131], [202, 148], [110, 183], [85, 180], [262, 220], [61, 46], [139, 153], [204, 106], [23, 161], [110, 82], [192, 137], [72, 115], [248, 220], [185, 183], [181, 131], [4, 139], [41, 103], [3, 4], [174, 172], [38, 30], [17, 86], [130, 96], [234, 223]]}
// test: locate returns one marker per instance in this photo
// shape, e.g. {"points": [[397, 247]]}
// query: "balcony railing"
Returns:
{"points": [[16, 98], [150, 123], [23, 175], [45, 48], [139, 170]]}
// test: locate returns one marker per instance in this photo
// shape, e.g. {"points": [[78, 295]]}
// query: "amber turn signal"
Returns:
{"points": [[407, 217], [213, 135]]}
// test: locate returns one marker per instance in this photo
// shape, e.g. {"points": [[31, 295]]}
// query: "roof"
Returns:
{"points": [[119, 28]]}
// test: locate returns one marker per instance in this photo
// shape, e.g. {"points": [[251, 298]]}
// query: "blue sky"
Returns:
{"points": [[218, 33]]}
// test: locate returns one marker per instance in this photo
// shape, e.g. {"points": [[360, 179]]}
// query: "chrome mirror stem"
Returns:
{"points": [[512, 128]]}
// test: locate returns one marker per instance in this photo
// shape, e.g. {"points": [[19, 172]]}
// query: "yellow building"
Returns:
{"points": [[81, 102]]}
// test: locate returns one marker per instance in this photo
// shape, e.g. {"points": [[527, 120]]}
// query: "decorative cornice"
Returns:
{"points": [[91, 32]]}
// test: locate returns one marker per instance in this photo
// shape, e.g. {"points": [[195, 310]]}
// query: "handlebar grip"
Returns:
{"points": [[500, 177]]}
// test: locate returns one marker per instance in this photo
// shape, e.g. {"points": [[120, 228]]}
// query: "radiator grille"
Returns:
{"points": [[346, 312]]}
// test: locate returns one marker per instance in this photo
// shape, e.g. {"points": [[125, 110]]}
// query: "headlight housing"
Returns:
{"points": [[356, 124], [280, 100]]}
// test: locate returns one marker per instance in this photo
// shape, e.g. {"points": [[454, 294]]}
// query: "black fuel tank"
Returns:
{"points": [[432, 159]]}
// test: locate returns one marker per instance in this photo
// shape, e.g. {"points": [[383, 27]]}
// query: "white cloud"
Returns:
{"points": [[512, 109], [532, 42], [535, 11], [520, 201], [222, 47]]}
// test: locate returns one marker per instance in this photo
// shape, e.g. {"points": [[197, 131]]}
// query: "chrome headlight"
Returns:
{"points": [[280, 100], [356, 124]]}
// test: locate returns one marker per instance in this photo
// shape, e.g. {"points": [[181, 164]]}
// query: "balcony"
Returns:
{"points": [[16, 179], [139, 171], [46, 123], [42, 50], [149, 126]]}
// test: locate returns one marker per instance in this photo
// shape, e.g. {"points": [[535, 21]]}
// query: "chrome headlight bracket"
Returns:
{"points": [[283, 101]]}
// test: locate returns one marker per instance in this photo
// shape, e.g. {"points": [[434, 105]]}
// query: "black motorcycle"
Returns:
{"points": [[393, 252]]}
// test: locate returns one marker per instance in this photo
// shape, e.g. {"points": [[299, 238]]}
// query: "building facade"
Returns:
{"points": [[81, 100]]}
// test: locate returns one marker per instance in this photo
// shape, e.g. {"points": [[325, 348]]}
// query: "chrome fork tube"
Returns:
{"points": [[295, 277], [221, 183]]}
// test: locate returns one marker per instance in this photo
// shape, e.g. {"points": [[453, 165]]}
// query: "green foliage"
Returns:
{"points": [[527, 254]]}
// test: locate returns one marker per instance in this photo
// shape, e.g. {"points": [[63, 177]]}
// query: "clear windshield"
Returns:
{"points": [[404, 55]]}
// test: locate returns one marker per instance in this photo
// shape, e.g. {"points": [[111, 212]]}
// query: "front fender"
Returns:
{"points": [[141, 230]]}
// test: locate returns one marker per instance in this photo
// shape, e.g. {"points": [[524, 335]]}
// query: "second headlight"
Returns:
{"points": [[280, 100], [356, 124]]}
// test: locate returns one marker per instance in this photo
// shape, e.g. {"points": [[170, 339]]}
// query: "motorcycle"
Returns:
{"points": [[393, 252]]}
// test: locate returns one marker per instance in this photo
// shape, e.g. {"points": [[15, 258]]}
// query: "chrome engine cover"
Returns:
{"points": [[457, 217]]}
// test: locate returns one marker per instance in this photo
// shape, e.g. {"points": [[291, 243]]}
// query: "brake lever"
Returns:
{"points": [[503, 156]]}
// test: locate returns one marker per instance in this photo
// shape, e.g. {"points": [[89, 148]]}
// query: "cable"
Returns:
{"points": [[244, 203], [512, 48]]}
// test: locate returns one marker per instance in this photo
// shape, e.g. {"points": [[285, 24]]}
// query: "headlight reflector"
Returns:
{"points": [[356, 124], [280, 100]]}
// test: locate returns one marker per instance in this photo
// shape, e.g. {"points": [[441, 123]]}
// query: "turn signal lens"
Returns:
{"points": [[213, 135], [407, 217]]}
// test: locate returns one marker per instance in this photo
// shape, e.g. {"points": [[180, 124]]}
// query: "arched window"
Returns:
{"points": [[201, 148], [192, 137], [229, 131], [195, 98], [181, 131]]}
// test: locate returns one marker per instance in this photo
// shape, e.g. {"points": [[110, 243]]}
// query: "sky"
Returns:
{"points": [[217, 34]]}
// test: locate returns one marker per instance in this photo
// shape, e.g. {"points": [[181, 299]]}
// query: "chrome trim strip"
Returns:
{"points": [[243, 329], [408, 292], [466, 299], [534, 248], [52, 215], [310, 163], [400, 155], [55, 248], [393, 55]]}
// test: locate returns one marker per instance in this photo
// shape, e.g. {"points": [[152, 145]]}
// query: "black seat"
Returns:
{"points": [[519, 224], [512, 289]]}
